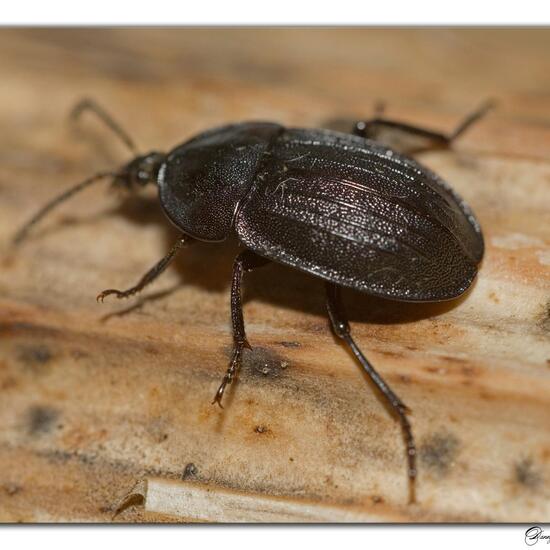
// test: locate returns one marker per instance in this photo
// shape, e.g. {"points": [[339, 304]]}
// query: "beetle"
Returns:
{"points": [[344, 207]]}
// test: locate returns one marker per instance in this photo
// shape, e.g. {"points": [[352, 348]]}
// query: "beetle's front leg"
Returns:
{"points": [[244, 262], [151, 275]]}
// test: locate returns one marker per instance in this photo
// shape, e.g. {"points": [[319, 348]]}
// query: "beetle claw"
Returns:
{"points": [[101, 296], [218, 401], [219, 394]]}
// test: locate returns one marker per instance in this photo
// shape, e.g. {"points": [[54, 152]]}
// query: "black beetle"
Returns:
{"points": [[342, 207]]}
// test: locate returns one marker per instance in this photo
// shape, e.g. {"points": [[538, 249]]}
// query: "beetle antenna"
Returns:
{"points": [[23, 232], [90, 105], [473, 117]]}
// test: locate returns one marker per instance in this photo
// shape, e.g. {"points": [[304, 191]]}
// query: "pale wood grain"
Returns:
{"points": [[92, 401]]}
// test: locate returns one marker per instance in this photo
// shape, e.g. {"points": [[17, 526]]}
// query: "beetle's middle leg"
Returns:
{"points": [[151, 275], [341, 327], [390, 131], [246, 261]]}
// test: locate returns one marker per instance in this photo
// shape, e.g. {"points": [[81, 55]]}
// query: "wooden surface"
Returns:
{"points": [[96, 397]]}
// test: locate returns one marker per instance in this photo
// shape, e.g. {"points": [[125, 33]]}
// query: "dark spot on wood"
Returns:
{"points": [[78, 354], [34, 355], [329, 480], [156, 429], [41, 419], [405, 378], [8, 383], [59, 456], [289, 344], [376, 499], [545, 318], [261, 429], [397, 355], [56, 456], [436, 370], [264, 363], [469, 371], [494, 297], [9, 261], [21, 328], [486, 396], [11, 488], [439, 451], [161, 472], [527, 475], [189, 471], [85, 458], [451, 359], [150, 349]]}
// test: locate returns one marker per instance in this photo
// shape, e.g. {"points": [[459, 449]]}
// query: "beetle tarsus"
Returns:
{"points": [[231, 373], [150, 276], [119, 294], [219, 394]]}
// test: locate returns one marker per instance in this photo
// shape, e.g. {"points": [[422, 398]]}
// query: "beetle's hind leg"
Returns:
{"points": [[151, 275], [341, 328], [407, 138], [244, 262]]}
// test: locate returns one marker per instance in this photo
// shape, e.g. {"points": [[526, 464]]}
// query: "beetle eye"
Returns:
{"points": [[143, 176]]}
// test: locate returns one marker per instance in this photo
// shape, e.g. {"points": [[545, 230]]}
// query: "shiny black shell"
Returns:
{"points": [[337, 206]]}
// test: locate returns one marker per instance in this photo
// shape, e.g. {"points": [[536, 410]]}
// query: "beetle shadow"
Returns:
{"points": [[209, 266], [206, 265], [290, 288], [139, 303]]}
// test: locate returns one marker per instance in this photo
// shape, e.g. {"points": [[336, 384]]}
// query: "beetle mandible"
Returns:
{"points": [[343, 207]]}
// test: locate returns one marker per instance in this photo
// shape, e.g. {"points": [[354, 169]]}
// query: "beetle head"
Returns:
{"points": [[203, 182], [139, 171]]}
